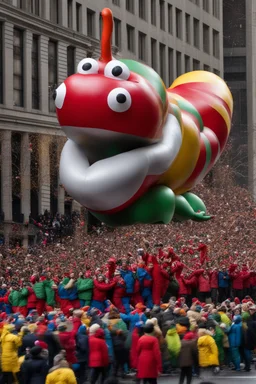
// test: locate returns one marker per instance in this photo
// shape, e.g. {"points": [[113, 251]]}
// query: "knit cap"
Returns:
{"points": [[93, 329]]}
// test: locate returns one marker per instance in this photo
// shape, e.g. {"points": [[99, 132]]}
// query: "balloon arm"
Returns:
{"points": [[110, 183]]}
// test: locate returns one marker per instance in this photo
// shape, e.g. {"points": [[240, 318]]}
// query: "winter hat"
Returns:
{"points": [[62, 327], [198, 308], [35, 351], [140, 306], [82, 330], [184, 321], [189, 336], [41, 344], [32, 327], [236, 300], [148, 328], [245, 316], [93, 328]]}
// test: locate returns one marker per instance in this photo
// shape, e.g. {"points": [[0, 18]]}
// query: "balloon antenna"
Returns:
{"points": [[106, 52]]}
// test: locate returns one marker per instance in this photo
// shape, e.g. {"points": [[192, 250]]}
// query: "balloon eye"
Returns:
{"points": [[117, 70], [59, 95], [88, 67], [119, 100]]}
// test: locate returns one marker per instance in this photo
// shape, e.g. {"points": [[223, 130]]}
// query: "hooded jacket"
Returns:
{"points": [[82, 345], [84, 289], [98, 356], [235, 333], [208, 351]]}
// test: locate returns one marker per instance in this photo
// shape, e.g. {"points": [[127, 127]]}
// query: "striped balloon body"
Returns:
{"points": [[203, 105]]}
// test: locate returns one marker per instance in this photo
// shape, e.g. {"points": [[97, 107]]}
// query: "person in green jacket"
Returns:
{"points": [[218, 336], [84, 288], [18, 298], [39, 290], [49, 291]]}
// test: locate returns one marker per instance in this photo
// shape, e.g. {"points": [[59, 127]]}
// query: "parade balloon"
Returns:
{"points": [[136, 149]]}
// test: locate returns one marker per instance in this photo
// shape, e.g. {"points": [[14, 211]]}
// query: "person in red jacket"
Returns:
{"points": [[213, 275], [157, 277], [100, 291], [247, 281], [204, 290], [237, 278], [32, 299], [149, 363], [119, 291], [98, 356]]}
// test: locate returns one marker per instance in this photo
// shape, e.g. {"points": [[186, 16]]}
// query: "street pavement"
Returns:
{"points": [[224, 377]]}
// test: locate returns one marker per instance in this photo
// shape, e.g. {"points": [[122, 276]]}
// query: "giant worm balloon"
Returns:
{"points": [[136, 149]]}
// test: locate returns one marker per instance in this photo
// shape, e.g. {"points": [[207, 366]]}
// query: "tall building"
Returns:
{"points": [[41, 43], [239, 36]]}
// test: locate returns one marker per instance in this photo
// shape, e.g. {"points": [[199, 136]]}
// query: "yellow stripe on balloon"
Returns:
{"points": [[221, 88], [186, 160], [224, 114]]}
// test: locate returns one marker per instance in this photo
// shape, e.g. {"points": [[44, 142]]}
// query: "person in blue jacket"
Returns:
{"points": [[235, 341], [223, 282], [82, 354], [127, 275], [146, 286], [67, 291]]}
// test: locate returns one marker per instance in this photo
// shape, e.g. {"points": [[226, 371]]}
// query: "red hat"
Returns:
{"points": [[140, 306], [41, 344], [236, 300], [189, 336]]}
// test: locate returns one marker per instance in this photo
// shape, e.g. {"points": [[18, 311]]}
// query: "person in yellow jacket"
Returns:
{"points": [[60, 373], [207, 349], [9, 358]]}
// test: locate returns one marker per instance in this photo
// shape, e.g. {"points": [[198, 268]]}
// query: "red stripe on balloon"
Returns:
{"points": [[211, 117], [207, 88], [215, 147]]}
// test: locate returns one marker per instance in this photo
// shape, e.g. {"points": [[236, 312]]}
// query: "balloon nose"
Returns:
{"points": [[54, 94]]}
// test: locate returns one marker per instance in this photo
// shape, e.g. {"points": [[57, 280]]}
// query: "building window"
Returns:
{"points": [[142, 46], [162, 50], [206, 38], [196, 33], [70, 13], [130, 38], [178, 23], [1, 64], [154, 54], [35, 73], [153, 12], [116, 2], [18, 68], [187, 63], [54, 11], [216, 8], [142, 10], [162, 14], [170, 23], [34, 7], [117, 29], [216, 43], [206, 5], [196, 65], [170, 65], [79, 17], [207, 68], [178, 63], [217, 72], [52, 72], [188, 34], [130, 6], [90, 23], [70, 60]]}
